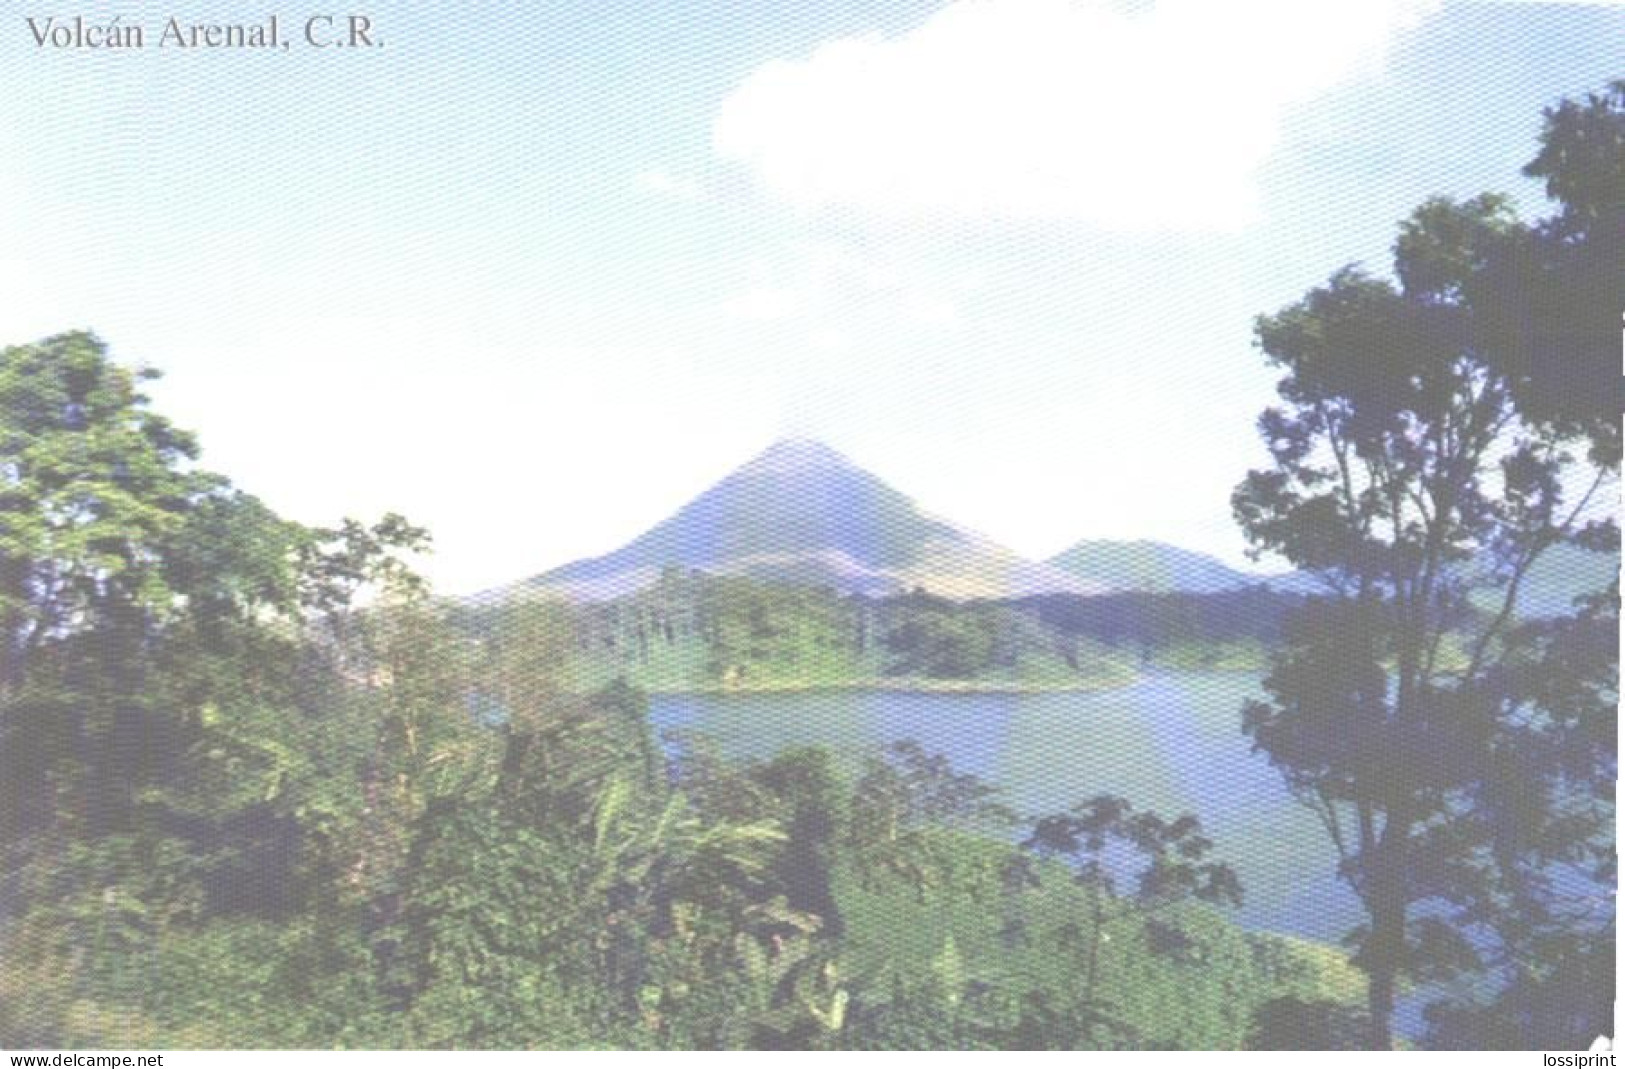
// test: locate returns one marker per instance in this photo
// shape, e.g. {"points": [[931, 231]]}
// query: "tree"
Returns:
{"points": [[1105, 843], [93, 487], [172, 747], [1551, 911], [901, 802], [805, 785], [939, 640], [1562, 355], [1423, 461]]}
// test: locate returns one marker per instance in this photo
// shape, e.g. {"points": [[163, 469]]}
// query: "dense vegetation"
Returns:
{"points": [[694, 632], [259, 788]]}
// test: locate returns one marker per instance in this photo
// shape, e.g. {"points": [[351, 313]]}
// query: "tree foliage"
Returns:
{"points": [[1425, 455]]}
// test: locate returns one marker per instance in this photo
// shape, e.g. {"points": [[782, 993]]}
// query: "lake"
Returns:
{"points": [[1170, 742]]}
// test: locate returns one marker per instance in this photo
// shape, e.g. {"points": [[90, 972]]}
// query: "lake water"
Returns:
{"points": [[1171, 742]]}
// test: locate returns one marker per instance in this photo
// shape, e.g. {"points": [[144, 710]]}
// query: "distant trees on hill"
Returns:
{"points": [[727, 630]]}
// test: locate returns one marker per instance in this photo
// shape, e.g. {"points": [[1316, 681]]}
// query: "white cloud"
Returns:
{"points": [[928, 311], [662, 183], [766, 303], [830, 341], [830, 281], [1077, 109]]}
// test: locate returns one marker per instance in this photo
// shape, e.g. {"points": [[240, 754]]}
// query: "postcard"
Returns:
{"points": [[973, 525]]}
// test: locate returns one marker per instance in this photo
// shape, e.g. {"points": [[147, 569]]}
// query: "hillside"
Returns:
{"points": [[801, 512], [1150, 567]]}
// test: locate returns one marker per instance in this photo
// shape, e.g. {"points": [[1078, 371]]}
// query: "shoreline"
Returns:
{"points": [[902, 686], [951, 686]]}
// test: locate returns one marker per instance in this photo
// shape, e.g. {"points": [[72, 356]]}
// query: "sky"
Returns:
{"points": [[535, 280]]}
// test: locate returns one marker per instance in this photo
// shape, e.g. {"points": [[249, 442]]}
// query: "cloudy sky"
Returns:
{"points": [[536, 280]]}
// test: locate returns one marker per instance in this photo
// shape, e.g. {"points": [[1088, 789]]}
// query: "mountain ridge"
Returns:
{"points": [[1154, 567], [800, 511]]}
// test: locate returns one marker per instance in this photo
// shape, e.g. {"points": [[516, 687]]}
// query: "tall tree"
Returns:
{"points": [[1423, 461], [1106, 843], [154, 659], [93, 487]]}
